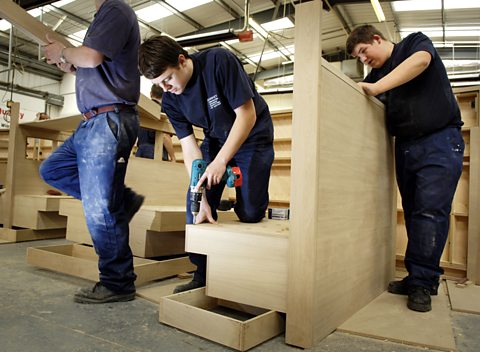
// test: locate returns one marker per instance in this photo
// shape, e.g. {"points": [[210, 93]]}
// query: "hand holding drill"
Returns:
{"points": [[232, 177]]}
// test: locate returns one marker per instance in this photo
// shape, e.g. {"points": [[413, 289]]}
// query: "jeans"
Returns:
{"points": [[255, 163], [91, 165], [428, 170]]}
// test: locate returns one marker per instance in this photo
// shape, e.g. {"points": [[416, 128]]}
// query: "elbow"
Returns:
{"points": [[94, 61], [424, 61]]}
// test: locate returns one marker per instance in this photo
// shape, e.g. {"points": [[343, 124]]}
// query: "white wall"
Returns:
{"points": [[29, 106]]}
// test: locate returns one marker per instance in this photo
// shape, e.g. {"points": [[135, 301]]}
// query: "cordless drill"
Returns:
{"points": [[232, 177]]}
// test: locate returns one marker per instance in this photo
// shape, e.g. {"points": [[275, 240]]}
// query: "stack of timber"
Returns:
{"points": [[461, 256], [342, 221]]}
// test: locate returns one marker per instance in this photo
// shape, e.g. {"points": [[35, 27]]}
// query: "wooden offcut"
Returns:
{"points": [[194, 312], [388, 318], [464, 298]]}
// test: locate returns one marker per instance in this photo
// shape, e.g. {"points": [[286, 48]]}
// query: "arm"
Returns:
{"points": [[191, 151], [412, 67], [81, 56], [167, 143], [244, 122]]}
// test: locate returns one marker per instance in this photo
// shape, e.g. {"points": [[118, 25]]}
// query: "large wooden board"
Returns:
{"points": [[388, 318], [342, 199], [28, 24]]}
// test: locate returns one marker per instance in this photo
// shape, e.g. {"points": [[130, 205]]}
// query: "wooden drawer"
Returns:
{"points": [[231, 324]]}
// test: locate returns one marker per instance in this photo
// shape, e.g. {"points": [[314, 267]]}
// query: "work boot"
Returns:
{"points": [[101, 294], [401, 287], [419, 299], [188, 286], [133, 205]]}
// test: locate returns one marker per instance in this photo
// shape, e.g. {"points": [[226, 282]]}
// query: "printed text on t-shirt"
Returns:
{"points": [[213, 102]]}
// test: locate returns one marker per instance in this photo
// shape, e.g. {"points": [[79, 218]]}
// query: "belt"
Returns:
{"points": [[103, 109]]}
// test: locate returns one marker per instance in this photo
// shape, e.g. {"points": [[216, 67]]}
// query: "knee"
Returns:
{"points": [[250, 216]]}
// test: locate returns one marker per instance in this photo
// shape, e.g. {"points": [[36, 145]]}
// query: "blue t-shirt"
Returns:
{"points": [[426, 103], [115, 33], [217, 87]]}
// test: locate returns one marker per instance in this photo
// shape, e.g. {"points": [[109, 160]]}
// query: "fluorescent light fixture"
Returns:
{"points": [[281, 23], [35, 12], [78, 36], [378, 10], [153, 13], [279, 81], [183, 5], [266, 56], [61, 3], [434, 32], [424, 5], [4, 25]]}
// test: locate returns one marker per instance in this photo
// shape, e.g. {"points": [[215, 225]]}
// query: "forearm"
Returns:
{"points": [[412, 67], [83, 56], [190, 151], [167, 143]]}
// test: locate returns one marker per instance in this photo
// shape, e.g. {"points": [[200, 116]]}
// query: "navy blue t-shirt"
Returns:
{"points": [[217, 87], [426, 103], [115, 33]]}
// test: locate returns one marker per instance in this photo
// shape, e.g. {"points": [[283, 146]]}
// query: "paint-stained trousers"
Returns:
{"points": [[255, 163], [91, 165], [428, 170]]}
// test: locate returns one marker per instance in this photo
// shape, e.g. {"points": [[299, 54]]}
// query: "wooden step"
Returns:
{"points": [[38, 212], [81, 261], [246, 263], [154, 231]]}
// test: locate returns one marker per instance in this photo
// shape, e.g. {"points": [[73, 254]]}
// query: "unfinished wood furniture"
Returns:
{"points": [[338, 254], [28, 212], [237, 326], [461, 255]]}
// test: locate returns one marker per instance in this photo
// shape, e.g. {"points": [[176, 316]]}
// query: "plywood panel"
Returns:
{"points": [[342, 199], [388, 318]]}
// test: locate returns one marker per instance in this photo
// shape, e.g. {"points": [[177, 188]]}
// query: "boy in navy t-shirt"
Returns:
{"points": [[423, 115], [211, 90]]}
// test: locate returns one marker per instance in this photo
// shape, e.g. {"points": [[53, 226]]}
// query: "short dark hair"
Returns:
{"points": [[158, 53], [156, 92], [363, 34]]}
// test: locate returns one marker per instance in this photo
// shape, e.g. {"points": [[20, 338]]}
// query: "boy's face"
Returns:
{"points": [[174, 79], [373, 55]]}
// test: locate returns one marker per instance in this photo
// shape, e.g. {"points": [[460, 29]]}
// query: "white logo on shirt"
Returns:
{"points": [[213, 102]]}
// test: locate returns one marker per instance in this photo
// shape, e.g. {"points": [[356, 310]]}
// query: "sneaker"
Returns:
{"points": [[100, 294], [401, 288], [419, 299], [132, 208], [188, 286]]}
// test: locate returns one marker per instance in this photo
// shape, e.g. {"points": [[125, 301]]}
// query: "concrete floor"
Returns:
{"points": [[37, 314]]}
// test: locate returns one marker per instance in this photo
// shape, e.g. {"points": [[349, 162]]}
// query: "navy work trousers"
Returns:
{"points": [[255, 163], [91, 165], [428, 170]]}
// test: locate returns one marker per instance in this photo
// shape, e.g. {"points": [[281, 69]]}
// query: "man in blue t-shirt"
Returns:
{"points": [[92, 163], [423, 115], [211, 90]]}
